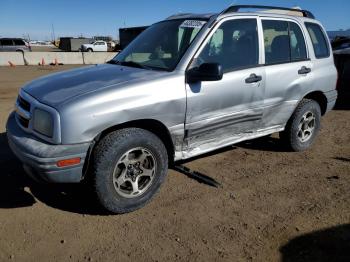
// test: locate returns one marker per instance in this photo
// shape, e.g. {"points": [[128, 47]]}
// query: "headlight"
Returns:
{"points": [[43, 122]]}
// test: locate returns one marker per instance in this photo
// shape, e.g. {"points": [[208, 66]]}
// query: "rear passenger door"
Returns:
{"points": [[288, 69]]}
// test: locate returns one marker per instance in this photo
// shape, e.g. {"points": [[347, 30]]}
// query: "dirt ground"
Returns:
{"points": [[273, 205]]}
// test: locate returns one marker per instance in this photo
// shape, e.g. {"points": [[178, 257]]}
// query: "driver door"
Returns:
{"points": [[222, 112]]}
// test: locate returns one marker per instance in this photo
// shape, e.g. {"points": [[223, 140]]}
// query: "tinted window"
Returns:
{"points": [[18, 42], [318, 39], [297, 43], [6, 42], [234, 45], [284, 42], [277, 43]]}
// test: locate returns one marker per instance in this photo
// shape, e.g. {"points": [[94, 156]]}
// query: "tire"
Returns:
{"points": [[303, 126], [90, 50], [129, 166]]}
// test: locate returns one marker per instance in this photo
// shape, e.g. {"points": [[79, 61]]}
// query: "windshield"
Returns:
{"points": [[161, 46]]}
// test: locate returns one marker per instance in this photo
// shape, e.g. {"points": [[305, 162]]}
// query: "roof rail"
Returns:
{"points": [[236, 8]]}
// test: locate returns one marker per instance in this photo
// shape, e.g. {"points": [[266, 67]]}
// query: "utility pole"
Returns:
{"points": [[53, 33]]}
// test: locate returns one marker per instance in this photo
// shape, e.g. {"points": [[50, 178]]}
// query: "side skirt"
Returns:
{"points": [[212, 143]]}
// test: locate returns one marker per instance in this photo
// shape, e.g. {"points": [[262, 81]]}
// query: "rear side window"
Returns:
{"points": [[276, 39], [6, 42], [18, 42], [284, 42], [318, 39]]}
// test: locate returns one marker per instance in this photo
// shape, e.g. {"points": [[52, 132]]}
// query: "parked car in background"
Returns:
{"points": [[340, 43], [185, 86], [14, 44], [97, 46]]}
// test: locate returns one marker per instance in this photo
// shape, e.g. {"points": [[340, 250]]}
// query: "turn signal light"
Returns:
{"points": [[68, 162]]}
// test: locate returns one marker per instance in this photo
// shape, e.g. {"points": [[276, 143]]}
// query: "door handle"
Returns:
{"points": [[304, 70], [253, 78]]}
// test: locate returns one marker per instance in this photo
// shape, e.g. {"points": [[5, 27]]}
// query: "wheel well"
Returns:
{"points": [[320, 98], [154, 126]]}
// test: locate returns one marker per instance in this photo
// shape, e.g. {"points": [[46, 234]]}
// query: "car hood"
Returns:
{"points": [[58, 88]]}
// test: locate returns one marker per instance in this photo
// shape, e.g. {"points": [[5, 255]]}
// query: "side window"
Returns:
{"points": [[297, 43], [215, 44], [277, 43], [234, 45], [318, 39], [18, 42], [6, 42], [284, 42]]}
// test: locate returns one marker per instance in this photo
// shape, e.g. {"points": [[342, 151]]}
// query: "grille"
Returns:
{"points": [[24, 122], [23, 103]]}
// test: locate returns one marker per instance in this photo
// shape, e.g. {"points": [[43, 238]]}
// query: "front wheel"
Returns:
{"points": [[129, 167], [303, 126]]}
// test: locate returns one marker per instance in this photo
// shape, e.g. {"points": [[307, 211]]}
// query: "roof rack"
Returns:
{"points": [[236, 8]]}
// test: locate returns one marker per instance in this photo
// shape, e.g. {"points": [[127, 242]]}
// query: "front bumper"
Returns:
{"points": [[39, 158]]}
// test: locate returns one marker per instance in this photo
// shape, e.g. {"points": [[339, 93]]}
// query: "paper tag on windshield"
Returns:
{"points": [[192, 24]]}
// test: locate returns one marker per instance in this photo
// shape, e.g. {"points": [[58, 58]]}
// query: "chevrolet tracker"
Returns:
{"points": [[185, 86]]}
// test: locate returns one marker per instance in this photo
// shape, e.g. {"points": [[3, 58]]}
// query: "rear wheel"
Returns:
{"points": [[129, 167], [303, 126]]}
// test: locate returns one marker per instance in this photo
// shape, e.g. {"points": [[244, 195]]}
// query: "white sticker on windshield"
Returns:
{"points": [[192, 24]]}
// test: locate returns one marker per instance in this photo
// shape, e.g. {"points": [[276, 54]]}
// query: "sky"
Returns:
{"points": [[36, 18]]}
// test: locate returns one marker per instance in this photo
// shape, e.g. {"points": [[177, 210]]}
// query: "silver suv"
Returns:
{"points": [[14, 44], [187, 85]]}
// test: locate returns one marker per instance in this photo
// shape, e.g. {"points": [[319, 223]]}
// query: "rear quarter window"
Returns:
{"points": [[319, 42], [18, 42]]}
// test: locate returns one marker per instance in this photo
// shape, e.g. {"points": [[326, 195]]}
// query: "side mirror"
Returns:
{"points": [[205, 72]]}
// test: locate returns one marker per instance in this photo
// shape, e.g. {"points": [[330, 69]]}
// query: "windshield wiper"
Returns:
{"points": [[135, 64], [127, 63], [113, 62]]}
